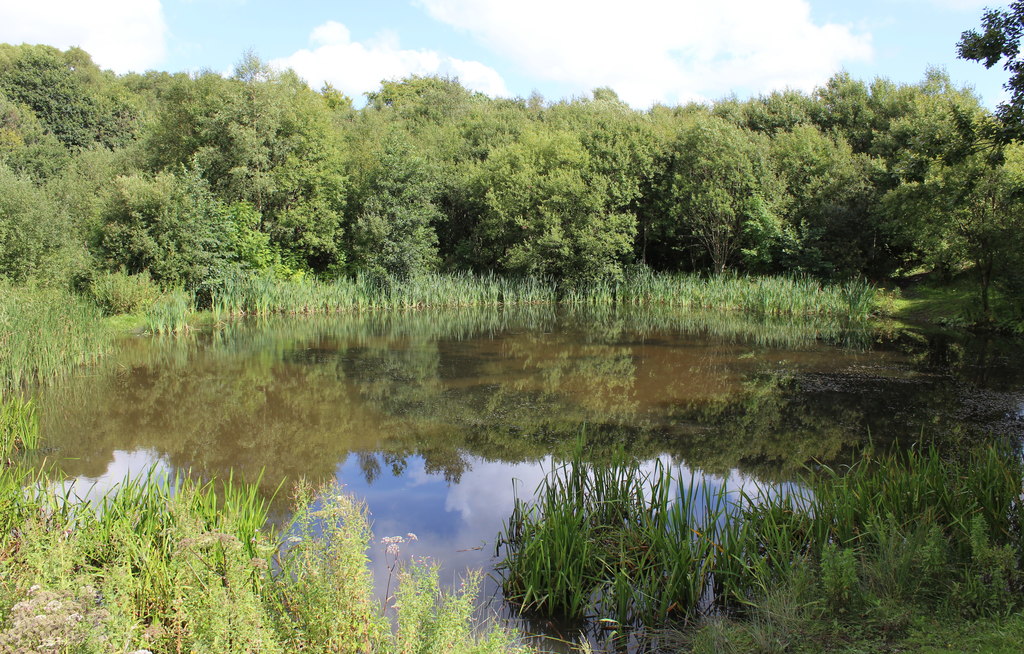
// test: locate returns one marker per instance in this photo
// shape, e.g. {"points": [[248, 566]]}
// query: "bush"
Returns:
{"points": [[119, 293]]}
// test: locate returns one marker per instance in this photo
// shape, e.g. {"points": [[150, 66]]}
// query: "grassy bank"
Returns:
{"points": [[862, 555], [183, 566], [952, 303]]}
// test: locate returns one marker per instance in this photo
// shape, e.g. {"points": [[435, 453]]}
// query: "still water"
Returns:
{"points": [[432, 417]]}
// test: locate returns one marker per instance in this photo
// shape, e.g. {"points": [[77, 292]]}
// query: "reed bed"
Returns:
{"points": [[171, 312], [45, 333], [261, 296], [640, 547], [760, 296], [19, 428]]}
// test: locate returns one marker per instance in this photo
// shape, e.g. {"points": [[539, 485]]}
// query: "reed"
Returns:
{"points": [[45, 333], [640, 546], [170, 313], [19, 427], [759, 296], [621, 542]]}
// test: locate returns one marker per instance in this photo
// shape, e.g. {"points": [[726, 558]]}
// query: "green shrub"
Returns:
{"points": [[120, 293], [324, 586], [839, 579]]}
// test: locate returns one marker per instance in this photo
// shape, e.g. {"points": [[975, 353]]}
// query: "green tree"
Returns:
{"points": [[718, 185], [827, 228], [25, 145], [981, 205], [32, 228], [393, 231], [265, 138], [168, 224], [547, 211], [998, 41], [68, 93]]}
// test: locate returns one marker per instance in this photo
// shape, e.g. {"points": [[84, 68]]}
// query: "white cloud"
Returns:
{"points": [[660, 50], [120, 34], [357, 67]]}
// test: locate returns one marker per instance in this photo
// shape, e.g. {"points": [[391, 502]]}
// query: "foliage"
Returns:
{"points": [[33, 230], [196, 179], [170, 565], [120, 293], [998, 41], [68, 94], [168, 225], [393, 232], [548, 211], [716, 186], [638, 546]]}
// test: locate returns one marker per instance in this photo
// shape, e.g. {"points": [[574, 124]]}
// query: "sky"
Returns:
{"points": [[648, 51]]}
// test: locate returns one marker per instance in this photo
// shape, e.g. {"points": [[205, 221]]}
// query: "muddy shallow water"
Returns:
{"points": [[430, 416]]}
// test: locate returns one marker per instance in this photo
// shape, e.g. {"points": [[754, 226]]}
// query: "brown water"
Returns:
{"points": [[429, 416]]}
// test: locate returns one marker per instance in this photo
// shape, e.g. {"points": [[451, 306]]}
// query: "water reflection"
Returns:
{"points": [[294, 397], [429, 416]]}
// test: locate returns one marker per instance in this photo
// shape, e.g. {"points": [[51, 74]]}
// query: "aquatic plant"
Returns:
{"points": [[46, 332], [170, 313], [760, 296], [641, 546], [19, 427]]}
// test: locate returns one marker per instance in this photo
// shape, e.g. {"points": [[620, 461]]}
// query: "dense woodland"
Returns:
{"points": [[194, 178]]}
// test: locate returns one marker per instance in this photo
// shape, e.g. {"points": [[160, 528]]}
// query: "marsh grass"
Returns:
{"points": [[170, 313], [644, 546], [261, 296], [759, 296], [620, 542], [45, 333], [19, 427]]}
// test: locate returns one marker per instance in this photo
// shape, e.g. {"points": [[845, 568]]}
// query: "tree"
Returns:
{"points": [[265, 138], [981, 201], [25, 144], [716, 185], [998, 41], [393, 231], [69, 95], [827, 226], [32, 228], [548, 211], [168, 224]]}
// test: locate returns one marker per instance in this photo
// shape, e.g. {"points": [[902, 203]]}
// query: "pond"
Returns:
{"points": [[432, 417]]}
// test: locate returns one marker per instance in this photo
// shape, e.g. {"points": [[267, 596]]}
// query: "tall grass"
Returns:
{"points": [[175, 564], [170, 313], [762, 296], [19, 427], [630, 545], [641, 546], [256, 295], [45, 333]]}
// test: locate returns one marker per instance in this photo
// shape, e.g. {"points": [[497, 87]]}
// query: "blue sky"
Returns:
{"points": [[647, 50]]}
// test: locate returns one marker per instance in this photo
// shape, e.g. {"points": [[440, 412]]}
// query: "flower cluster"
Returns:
{"points": [[392, 543]]}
